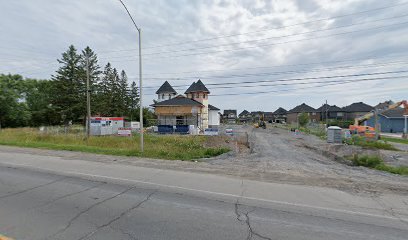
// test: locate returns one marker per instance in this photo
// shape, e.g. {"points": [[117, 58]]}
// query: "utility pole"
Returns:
{"points": [[141, 89], [140, 76], [376, 125], [88, 99], [327, 113]]}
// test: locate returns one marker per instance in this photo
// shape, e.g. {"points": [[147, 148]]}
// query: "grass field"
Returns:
{"points": [[396, 140], [156, 146]]}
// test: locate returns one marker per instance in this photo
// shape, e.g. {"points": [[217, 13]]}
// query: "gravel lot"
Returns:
{"points": [[276, 155]]}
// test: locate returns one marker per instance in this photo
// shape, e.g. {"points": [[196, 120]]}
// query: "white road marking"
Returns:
{"points": [[207, 192]]}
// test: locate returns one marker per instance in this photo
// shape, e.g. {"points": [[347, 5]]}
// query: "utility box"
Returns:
{"points": [[334, 134], [106, 125]]}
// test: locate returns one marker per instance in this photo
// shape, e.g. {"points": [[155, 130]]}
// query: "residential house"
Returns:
{"points": [[279, 116], [256, 115], [268, 116], [230, 116], [383, 105], [356, 110], [191, 109], [292, 115], [392, 121], [244, 116], [332, 112], [165, 92], [213, 117]]}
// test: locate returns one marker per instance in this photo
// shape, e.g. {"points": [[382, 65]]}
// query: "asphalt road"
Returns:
{"points": [[38, 204]]}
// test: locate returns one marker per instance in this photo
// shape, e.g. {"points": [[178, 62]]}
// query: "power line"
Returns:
{"points": [[269, 29], [319, 86], [284, 36], [278, 73], [337, 82], [279, 43], [302, 79], [283, 65]]}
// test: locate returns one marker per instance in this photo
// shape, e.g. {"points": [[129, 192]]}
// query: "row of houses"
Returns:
{"points": [[390, 121]]}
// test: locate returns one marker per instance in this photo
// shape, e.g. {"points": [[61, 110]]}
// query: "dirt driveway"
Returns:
{"points": [[280, 155]]}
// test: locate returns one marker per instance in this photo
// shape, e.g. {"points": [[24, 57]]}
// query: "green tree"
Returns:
{"points": [[68, 87], [303, 119], [124, 100], [94, 75], [133, 101]]}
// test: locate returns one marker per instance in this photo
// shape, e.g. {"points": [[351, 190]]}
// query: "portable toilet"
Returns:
{"points": [[334, 134]]}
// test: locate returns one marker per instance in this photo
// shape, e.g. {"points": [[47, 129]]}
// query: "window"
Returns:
{"points": [[198, 95], [339, 114], [204, 95], [314, 114], [162, 96], [169, 96], [192, 95]]}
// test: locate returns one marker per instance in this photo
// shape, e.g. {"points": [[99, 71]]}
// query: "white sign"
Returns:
{"points": [[135, 125], [126, 132]]}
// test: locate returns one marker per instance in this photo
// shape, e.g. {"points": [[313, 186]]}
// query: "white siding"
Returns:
{"points": [[213, 118]]}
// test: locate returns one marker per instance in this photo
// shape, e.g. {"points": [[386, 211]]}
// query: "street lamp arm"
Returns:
{"points": [[134, 23]]}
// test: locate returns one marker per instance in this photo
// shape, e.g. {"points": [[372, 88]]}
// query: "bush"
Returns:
{"points": [[363, 142], [376, 162], [303, 119], [367, 161]]}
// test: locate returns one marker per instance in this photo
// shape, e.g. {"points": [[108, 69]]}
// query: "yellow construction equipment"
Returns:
{"points": [[368, 131]]}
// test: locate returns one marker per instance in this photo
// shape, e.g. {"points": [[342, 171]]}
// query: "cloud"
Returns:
{"points": [[35, 33]]}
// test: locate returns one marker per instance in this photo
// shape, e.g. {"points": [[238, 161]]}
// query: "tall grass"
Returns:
{"points": [[156, 146], [363, 142], [376, 162]]}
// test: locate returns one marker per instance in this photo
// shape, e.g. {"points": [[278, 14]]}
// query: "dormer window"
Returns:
{"points": [[163, 96]]}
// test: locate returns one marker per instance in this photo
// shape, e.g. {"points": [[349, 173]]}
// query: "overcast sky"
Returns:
{"points": [[225, 43]]}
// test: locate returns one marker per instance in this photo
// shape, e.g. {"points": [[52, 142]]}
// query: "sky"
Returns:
{"points": [[251, 54]]}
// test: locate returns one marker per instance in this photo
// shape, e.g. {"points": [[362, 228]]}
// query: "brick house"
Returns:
{"points": [[356, 110], [292, 116], [333, 112], [279, 116]]}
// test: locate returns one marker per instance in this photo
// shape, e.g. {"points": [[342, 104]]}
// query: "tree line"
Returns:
{"points": [[62, 99]]}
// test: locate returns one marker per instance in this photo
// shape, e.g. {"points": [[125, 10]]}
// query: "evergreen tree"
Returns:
{"points": [[104, 95], [124, 94], [133, 101], [94, 74], [69, 87]]}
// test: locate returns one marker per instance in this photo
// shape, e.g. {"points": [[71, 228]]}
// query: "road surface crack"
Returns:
{"points": [[389, 210], [108, 224], [67, 195], [32, 188], [243, 217], [72, 220]]}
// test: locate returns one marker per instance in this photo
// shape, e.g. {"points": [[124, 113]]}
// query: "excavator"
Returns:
{"points": [[368, 131], [261, 123]]}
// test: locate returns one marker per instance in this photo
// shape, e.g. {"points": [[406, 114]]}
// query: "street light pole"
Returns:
{"points": [[140, 89], [139, 30]]}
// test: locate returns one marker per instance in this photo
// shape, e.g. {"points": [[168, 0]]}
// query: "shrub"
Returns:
{"points": [[303, 119], [364, 142], [377, 163]]}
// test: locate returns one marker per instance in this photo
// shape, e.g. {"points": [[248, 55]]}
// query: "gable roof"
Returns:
{"points": [[280, 111], [197, 87], [358, 107], [394, 113], [384, 105], [226, 112], [178, 101], [302, 108], [327, 107], [245, 112], [211, 107], [166, 88]]}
